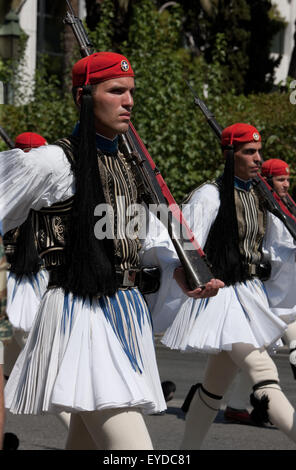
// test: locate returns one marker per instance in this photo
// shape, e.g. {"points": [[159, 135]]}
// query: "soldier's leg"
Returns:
{"points": [[118, 429], [206, 402], [290, 340], [78, 436], [268, 400], [240, 396]]}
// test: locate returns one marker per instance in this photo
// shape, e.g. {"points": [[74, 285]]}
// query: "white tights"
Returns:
{"points": [[290, 334], [220, 371], [112, 429], [239, 398]]}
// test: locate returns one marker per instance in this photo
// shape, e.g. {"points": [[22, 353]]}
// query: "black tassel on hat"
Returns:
{"points": [[90, 268], [222, 246]]}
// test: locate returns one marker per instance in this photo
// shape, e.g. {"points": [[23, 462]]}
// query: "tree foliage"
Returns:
{"points": [[172, 127], [249, 27], [44, 110]]}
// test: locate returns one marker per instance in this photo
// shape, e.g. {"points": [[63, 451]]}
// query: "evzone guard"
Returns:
{"points": [[90, 350], [237, 325]]}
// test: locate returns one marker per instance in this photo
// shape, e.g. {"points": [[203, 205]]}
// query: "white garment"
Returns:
{"points": [[23, 298], [24, 295], [158, 250], [78, 357], [73, 361], [32, 180], [237, 314], [280, 249]]}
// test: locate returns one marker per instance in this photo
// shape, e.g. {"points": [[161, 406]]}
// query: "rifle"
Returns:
{"points": [[276, 206], [207, 113], [273, 204], [85, 46], [6, 139], [193, 260]]}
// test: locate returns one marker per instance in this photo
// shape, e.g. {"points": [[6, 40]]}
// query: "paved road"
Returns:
{"points": [[48, 433]]}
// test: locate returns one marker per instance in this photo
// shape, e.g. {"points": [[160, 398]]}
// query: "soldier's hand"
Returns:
{"points": [[210, 290]]}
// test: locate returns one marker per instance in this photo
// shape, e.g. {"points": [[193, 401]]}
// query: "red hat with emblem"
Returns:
{"points": [[239, 133], [28, 140], [99, 67], [275, 167]]}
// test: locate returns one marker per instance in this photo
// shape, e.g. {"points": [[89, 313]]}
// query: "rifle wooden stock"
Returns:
{"points": [[193, 260], [191, 255]]}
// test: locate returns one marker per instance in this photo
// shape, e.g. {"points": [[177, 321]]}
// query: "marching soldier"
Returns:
{"points": [[235, 326], [90, 350]]}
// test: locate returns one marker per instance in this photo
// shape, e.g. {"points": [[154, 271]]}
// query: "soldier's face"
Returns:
{"points": [[113, 103], [247, 160], [281, 184]]}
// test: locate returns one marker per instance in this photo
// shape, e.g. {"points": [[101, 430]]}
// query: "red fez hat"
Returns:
{"points": [[275, 167], [99, 67], [239, 133], [28, 140]]}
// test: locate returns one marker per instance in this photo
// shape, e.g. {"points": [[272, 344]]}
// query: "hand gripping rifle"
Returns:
{"points": [[272, 202], [6, 139], [193, 259]]}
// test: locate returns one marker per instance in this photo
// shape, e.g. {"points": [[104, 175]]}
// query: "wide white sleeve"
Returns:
{"points": [[279, 248], [32, 180], [158, 249], [201, 211]]}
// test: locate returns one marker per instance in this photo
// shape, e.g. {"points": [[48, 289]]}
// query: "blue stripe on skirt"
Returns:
{"points": [[126, 311]]}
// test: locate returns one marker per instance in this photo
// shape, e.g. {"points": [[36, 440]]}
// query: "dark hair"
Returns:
{"points": [[75, 88], [25, 259]]}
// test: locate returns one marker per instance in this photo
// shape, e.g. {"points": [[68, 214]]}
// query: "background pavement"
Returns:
{"points": [[48, 433]]}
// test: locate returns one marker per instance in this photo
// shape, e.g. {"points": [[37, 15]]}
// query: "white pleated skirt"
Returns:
{"points": [[24, 295], [237, 314], [83, 357]]}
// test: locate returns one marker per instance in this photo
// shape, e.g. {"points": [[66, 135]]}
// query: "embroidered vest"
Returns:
{"points": [[236, 256], [51, 224], [251, 218]]}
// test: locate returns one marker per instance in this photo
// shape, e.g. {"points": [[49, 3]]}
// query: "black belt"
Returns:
{"points": [[147, 279], [262, 270]]}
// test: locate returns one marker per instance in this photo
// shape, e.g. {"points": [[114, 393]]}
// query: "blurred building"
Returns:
{"points": [[284, 42], [42, 22]]}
